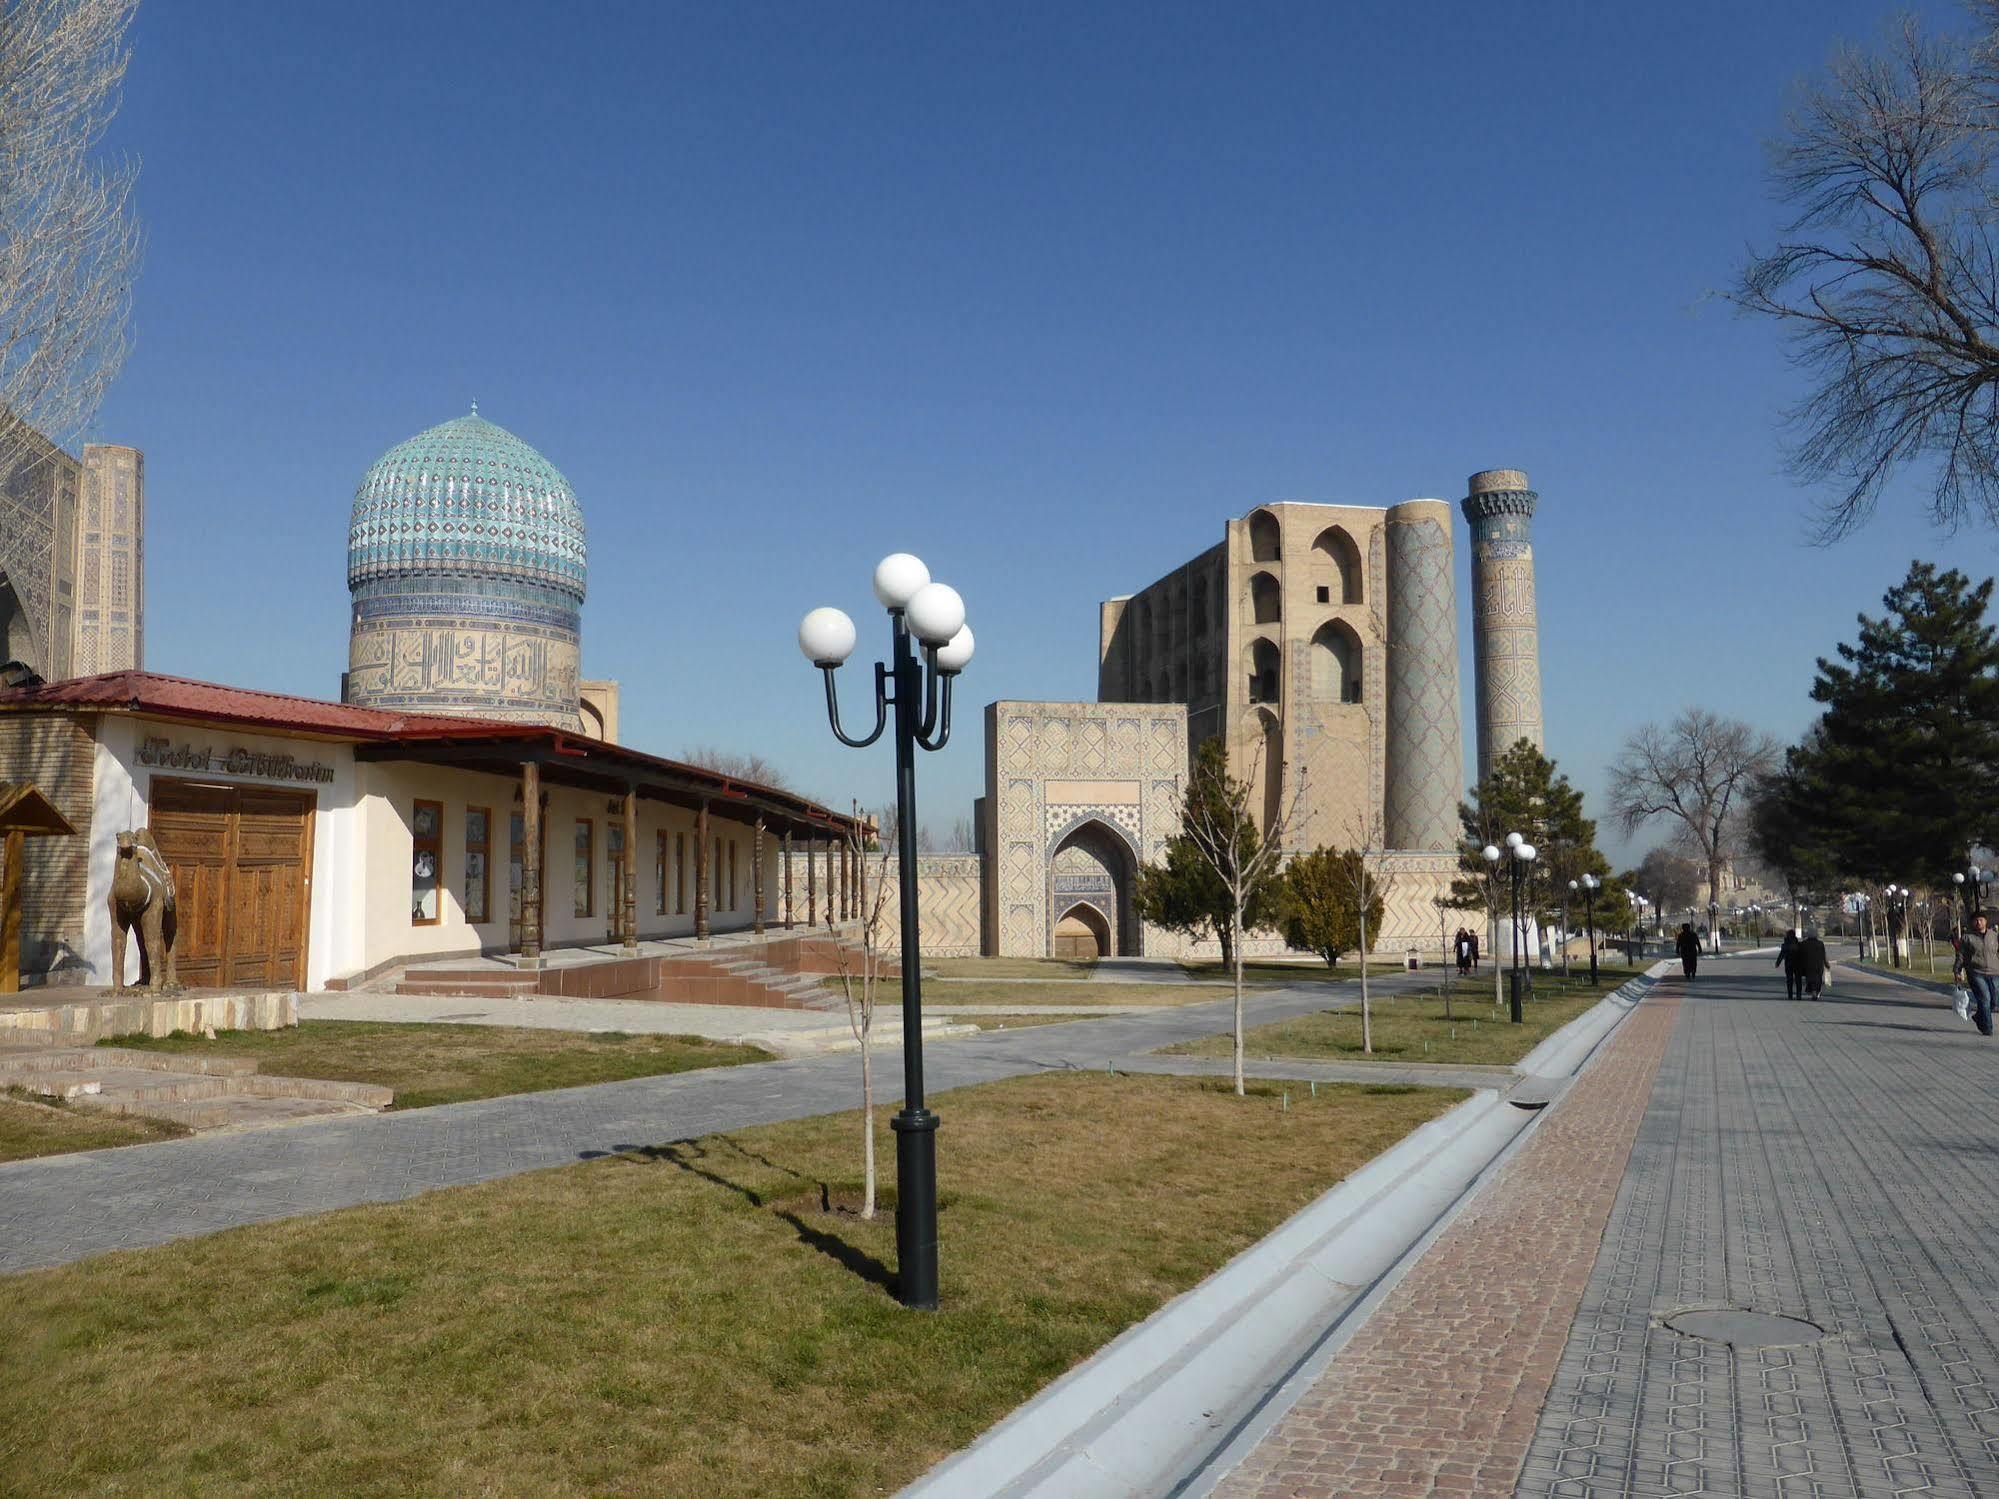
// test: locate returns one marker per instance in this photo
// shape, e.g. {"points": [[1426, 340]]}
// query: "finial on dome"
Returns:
{"points": [[475, 407]]}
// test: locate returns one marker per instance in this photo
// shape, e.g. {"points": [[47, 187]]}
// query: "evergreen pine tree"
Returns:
{"points": [[1896, 783]]}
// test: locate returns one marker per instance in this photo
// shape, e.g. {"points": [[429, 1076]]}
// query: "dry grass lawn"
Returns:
{"points": [[433, 1064], [688, 1321], [29, 1128], [1415, 1028], [1007, 968]]}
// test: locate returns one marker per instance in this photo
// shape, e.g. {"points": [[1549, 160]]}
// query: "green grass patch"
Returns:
{"points": [[1417, 1028], [433, 1064], [32, 1127], [1295, 971], [704, 1318]]}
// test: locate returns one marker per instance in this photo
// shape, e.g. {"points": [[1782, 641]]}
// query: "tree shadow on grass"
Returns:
{"points": [[697, 1159]]}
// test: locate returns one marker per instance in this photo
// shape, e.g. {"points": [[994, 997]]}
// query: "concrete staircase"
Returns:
{"points": [[198, 1092], [476, 983], [785, 990]]}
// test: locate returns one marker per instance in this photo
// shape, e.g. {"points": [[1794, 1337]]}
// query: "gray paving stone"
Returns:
{"points": [[1836, 1162]]}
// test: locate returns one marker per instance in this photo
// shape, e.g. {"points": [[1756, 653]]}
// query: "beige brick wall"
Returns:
{"points": [[56, 752]]}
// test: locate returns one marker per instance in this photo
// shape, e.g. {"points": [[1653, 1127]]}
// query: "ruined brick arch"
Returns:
{"points": [[1337, 662], [1263, 748], [1265, 538], [1336, 566], [1260, 660], [1266, 606]]}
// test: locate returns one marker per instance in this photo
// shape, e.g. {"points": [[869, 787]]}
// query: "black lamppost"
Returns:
{"points": [[929, 617], [1520, 856], [1589, 883]]}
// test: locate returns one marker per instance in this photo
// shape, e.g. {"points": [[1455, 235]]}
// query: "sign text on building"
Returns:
{"points": [[165, 755]]}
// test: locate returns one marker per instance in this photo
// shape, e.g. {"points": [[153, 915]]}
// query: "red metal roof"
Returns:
{"points": [[155, 695]]}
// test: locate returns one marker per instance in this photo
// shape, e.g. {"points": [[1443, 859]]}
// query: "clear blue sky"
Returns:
{"points": [[1041, 292]]}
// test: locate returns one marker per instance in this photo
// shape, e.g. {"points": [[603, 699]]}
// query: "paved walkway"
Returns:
{"points": [[61, 1208], [1834, 1162]]}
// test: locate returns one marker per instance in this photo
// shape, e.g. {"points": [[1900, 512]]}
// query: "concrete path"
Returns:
{"points": [[63, 1208], [1835, 1163], [636, 1017]]}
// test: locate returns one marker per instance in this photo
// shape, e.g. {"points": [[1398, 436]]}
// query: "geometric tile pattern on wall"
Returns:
{"points": [[1505, 627], [1035, 743], [1425, 751]]}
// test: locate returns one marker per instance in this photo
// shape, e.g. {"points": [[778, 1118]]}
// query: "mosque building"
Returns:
{"points": [[464, 799]]}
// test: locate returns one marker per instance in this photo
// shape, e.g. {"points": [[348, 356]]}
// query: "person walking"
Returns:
{"points": [[1463, 950], [1977, 969], [1814, 966], [1689, 948], [1474, 947], [1787, 959]]}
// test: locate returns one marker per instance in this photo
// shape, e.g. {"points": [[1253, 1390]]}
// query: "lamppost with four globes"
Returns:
{"points": [[926, 618]]}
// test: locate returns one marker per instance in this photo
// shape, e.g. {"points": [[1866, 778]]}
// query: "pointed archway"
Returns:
{"points": [[1092, 865]]}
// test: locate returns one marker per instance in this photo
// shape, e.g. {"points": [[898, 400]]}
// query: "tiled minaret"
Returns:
{"points": [[1426, 757], [1506, 635]]}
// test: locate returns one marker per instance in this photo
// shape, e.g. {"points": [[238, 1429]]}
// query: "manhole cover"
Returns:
{"points": [[1740, 1329]]}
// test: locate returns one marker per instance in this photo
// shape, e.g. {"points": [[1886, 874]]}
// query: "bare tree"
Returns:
{"points": [[736, 765], [1371, 881], [69, 239], [860, 982], [1888, 278], [1223, 831], [1698, 772]]}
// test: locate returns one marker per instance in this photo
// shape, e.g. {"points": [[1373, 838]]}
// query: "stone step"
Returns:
{"points": [[98, 1058], [496, 987]]}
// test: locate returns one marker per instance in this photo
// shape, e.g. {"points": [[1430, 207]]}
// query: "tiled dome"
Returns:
{"points": [[467, 499]]}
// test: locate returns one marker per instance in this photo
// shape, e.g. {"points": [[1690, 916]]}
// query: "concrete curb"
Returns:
{"points": [[1934, 986], [1150, 1412]]}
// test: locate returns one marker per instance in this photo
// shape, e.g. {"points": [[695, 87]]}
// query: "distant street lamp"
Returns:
{"points": [[1898, 916], [929, 617], [1590, 886]]}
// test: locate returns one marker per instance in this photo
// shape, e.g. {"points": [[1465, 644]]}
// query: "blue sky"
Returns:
{"points": [[1041, 292]]}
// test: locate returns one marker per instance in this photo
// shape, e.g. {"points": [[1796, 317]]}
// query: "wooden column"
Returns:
{"points": [[757, 870], [530, 865], [10, 915], [788, 915], [701, 874], [846, 878], [629, 927], [811, 882]]}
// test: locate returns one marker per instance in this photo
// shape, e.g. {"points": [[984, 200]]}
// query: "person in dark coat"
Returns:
{"points": [[1463, 948], [1813, 964], [1474, 948], [1787, 959], [1688, 946]]}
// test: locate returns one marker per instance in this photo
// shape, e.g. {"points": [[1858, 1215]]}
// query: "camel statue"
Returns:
{"points": [[142, 898]]}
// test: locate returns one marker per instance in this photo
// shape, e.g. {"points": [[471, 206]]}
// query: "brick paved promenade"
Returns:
{"points": [[1438, 1392], [1834, 1162]]}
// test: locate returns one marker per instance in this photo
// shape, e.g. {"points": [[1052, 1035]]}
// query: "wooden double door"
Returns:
{"points": [[242, 863]]}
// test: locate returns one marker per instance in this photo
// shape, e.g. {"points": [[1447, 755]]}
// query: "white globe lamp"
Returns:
{"points": [[898, 579], [935, 614], [826, 636], [955, 655]]}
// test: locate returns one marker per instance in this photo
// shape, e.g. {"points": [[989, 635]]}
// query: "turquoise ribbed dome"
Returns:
{"points": [[467, 499]]}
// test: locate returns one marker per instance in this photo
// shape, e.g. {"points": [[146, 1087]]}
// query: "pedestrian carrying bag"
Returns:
{"points": [[1961, 1002]]}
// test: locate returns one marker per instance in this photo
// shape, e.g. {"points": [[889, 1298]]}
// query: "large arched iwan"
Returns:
{"points": [[1092, 863]]}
